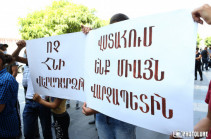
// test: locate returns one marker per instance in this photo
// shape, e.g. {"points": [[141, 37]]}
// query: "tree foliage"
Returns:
{"points": [[198, 40], [59, 18], [207, 41]]}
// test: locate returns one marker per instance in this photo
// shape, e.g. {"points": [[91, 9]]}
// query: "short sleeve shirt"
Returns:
{"points": [[198, 61], [204, 54], [9, 125]]}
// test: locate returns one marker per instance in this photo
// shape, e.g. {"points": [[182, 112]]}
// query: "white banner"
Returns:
{"points": [[139, 71], [57, 65]]}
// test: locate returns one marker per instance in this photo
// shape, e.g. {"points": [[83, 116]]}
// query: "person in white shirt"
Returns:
{"points": [[32, 109]]}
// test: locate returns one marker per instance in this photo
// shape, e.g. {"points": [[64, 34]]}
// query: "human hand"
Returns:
{"points": [[37, 97], [203, 12], [85, 29], [87, 111], [21, 44]]}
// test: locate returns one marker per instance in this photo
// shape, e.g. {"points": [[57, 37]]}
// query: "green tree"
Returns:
{"points": [[59, 18], [207, 41], [198, 40]]}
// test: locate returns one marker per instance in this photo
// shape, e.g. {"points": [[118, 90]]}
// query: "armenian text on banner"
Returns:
{"points": [[139, 71]]}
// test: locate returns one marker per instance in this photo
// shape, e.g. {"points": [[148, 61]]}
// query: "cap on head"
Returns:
{"points": [[118, 17]]}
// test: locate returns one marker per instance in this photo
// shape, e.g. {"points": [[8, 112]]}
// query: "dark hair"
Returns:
{"points": [[6, 59], [118, 17], [197, 48]]}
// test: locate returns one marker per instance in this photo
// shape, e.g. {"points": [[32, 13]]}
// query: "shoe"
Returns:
{"points": [[195, 78], [201, 79], [92, 122]]}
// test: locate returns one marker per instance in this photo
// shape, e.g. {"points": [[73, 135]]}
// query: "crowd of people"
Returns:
{"points": [[203, 60], [43, 106]]}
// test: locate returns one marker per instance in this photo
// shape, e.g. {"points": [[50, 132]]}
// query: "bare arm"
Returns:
{"points": [[198, 58], [2, 106], [52, 105], [21, 44], [14, 71], [204, 124]]}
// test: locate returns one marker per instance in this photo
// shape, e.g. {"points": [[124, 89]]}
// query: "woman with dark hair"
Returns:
{"points": [[9, 124]]}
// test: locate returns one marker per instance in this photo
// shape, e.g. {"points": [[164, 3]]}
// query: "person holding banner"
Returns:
{"points": [[107, 127], [32, 109], [60, 115], [9, 123], [203, 12]]}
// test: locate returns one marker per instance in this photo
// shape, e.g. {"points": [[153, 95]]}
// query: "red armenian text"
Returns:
{"points": [[132, 101], [130, 38], [63, 83], [125, 68]]}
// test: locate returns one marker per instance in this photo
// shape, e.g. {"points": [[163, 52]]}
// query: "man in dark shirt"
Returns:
{"points": [[204, 55]]}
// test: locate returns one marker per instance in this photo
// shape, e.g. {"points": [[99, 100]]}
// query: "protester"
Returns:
{"points": [[107, 127], [13, 68], [198, 65], [3, 48], [32, 109], [60, 115], [9, 124], [203, 12], [204, 55]]}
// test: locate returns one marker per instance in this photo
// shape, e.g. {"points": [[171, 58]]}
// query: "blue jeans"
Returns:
{"points": [[32, 111], [110, 128]]}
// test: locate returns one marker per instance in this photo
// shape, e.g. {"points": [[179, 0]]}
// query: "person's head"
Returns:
{"points": [[210, 46], [118, 17], [205, 48], [5, 59], [3, 47], [197, 49]]}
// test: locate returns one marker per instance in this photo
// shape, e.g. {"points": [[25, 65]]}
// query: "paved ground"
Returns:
{"points": [[80, 129]]}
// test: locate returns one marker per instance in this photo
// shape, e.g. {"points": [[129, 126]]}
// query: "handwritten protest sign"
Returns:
{"points": [[139, 71], [57, 65]]}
